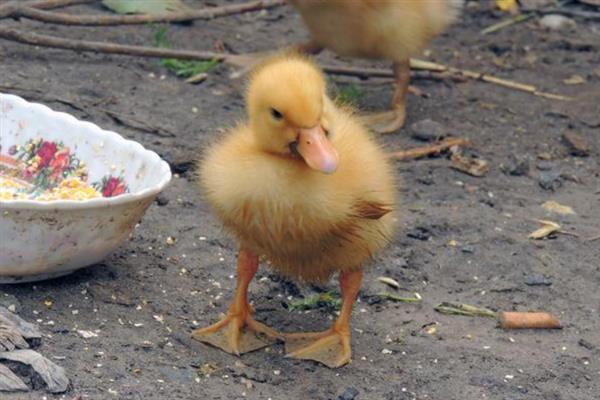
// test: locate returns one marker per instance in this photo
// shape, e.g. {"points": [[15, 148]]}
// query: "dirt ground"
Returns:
{"points": [[462, 239]]}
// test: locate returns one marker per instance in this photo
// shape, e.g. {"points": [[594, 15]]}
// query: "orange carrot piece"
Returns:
{"points": [[528, 320]]}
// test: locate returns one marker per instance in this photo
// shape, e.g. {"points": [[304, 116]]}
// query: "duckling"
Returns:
{"points": [[378, 29], [302, 183]]}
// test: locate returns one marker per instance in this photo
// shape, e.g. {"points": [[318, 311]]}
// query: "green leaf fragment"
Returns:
{"points": [[464, 309], [349, 94], [400, 299], [181, 68], [327, 299], [151, 7], [186, 69]]}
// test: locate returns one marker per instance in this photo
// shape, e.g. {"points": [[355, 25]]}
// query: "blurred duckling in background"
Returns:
{"points": [[378, 29], [303, 184]]}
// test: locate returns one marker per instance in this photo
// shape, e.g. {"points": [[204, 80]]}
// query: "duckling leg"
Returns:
{"points": [[392, 120], [238, 332], [249, 61], [331, 347]]}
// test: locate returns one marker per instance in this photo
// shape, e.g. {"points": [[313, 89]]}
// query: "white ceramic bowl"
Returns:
{"points": [[45, 239]]}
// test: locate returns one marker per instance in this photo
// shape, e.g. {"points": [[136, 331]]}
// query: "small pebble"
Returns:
{"points": [[556, 22], [349, 394], [537, 280], [162, 200], [468, 249], [550, 180], [427, 130], [577, 144], [11, 302], [545, 165], [516, 165], [419, 233], [585, 344]]}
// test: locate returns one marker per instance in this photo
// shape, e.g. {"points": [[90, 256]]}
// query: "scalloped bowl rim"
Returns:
{"points": [[98, 202]]}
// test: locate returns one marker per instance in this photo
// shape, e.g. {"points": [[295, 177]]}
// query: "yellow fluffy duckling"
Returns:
{"points": [[381, 29], [303, 184]]}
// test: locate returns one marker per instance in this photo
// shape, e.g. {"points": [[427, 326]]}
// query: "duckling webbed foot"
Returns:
{"points": [[238, 332], [387, 121], [392, 120], [331, 347]]}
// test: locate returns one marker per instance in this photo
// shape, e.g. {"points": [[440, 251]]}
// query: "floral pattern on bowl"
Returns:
{"points": [[44, 151], [43, 164]]}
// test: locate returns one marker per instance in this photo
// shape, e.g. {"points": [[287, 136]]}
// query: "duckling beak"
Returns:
{"points": [[316, 150]]}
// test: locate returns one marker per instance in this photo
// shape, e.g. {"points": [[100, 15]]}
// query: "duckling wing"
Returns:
{"points": [[371, 209]]}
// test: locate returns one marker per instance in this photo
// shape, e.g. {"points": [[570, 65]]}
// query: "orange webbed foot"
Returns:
{"points": [[387, 121], [237, 334], [331, 348]]}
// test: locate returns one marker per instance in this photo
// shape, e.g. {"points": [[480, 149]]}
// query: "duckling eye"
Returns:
{"points": [[276, 114]]}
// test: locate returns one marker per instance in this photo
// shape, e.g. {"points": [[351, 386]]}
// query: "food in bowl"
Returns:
{"points": [[45, 170], [70, 192]]}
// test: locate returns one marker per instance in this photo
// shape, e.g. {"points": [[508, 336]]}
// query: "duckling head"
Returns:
{"points": [[286, 104]]}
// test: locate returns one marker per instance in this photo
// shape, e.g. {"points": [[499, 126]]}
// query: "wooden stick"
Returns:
{"points": [[552, 96], [108, 20], [365, 73], [111, 48], [528, 320], [8, 9], [593, 238], [431, 66], [436, 148], [507, 22], [530, 13], [358, 72], [568, 233]]}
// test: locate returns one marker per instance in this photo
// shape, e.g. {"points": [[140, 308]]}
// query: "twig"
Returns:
{"points": [[107, 20], [393, 297], [431, 66], [568, 233], [436, 148], [464, 309], [358, 72], [8, 9], [507, 22], [365, 73], [111, 48], [552, 96], [593, 238], [527, 14]]}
